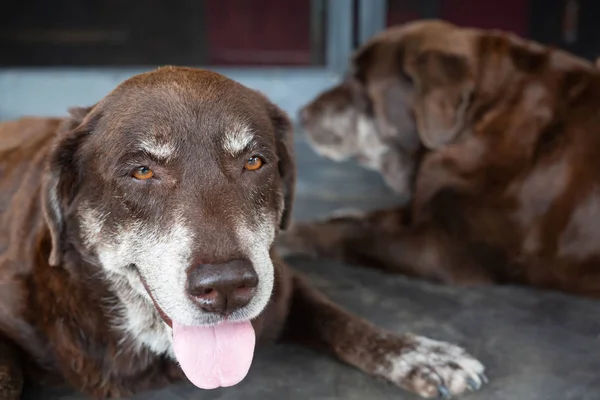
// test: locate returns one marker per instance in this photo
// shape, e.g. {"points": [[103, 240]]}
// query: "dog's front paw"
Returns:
{"points": [[327, 238], [432, 368], [299, 239]]}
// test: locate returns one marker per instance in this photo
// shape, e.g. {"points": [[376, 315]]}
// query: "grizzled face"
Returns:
{"points": [[338, 121], [175, 184], [341, 124]]}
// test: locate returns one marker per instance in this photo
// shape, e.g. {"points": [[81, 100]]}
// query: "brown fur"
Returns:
{"points": [[59, 316], [501, 136]]}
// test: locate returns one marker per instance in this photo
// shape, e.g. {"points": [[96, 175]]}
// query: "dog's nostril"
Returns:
{"points": [[207, 291]]}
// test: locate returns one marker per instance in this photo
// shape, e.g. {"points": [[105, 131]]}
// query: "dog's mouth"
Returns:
{"points": [[362, 159], [328, 151], [211, 356], [162, 314]]}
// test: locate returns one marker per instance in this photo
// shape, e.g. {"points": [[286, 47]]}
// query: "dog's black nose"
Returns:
{"points": [[222, 288]]}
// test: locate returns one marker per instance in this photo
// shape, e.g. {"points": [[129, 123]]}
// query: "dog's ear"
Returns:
{"points": [[284, 141], [378, 67], [444, 87], [61, 177]]}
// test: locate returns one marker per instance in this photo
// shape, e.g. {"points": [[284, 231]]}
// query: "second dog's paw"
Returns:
{"points": [[297, 239]]}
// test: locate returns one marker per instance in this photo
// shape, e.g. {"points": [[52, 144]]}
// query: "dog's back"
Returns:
{"points": [[518, 185], [24, 144]]}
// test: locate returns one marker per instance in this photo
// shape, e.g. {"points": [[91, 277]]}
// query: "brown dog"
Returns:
{"points": [[494, 139], [138, 233]]}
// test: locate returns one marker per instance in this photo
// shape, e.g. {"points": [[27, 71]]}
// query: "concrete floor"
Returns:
{"points": [[536, 346]]}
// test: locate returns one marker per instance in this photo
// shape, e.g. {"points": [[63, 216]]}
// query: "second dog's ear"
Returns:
{"points": [[378, 67], [443, 93], [60, 179]]}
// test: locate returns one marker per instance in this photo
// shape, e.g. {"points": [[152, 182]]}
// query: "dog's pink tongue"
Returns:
{"points": [[214, 356]]}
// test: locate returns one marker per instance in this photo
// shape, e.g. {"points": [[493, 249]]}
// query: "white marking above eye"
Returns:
{"points": [[162, 151], [238, 139]]}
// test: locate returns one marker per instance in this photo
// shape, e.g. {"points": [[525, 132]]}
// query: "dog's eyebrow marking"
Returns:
{"points": [[161, 151], [238, 139]]}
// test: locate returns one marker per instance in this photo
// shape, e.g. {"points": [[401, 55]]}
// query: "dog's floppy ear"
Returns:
{"points": [[378, 68], [444, 88], [61, 177], [284, 140]]}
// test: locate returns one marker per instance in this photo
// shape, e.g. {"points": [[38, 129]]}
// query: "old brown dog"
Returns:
{"points": [[137, 225], [495, 142]]}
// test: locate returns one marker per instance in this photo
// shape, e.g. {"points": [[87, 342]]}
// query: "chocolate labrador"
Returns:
{"points": [[494, 142]]}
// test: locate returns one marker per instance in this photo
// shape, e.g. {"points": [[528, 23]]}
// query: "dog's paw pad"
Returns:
{"points": [[435, 369]]}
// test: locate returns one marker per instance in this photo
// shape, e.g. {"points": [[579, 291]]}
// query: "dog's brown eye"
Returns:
{"points": [[143, 173], [253, 163]]}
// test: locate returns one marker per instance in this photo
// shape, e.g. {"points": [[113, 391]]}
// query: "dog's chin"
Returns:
{"points": [[331, 152], [366, 162]]}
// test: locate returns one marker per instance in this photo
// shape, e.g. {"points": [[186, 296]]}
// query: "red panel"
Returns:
{"points": [[258, 32], [509, 15]]}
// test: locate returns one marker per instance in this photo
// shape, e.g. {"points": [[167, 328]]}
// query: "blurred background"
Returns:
{"points": [[59, 53]]}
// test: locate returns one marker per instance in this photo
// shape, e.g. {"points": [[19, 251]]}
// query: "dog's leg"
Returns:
{"points": [[11, 373], [338, 236], [424, 366], [382, 240]]}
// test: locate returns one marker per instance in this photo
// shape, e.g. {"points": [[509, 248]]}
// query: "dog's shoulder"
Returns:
{"points": [[24, 144]]}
